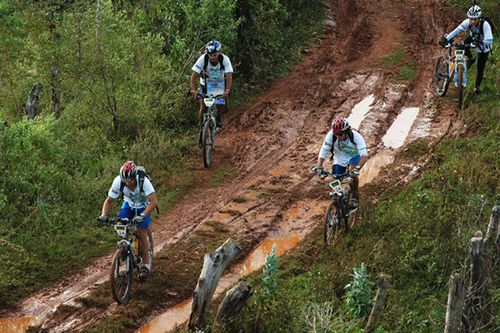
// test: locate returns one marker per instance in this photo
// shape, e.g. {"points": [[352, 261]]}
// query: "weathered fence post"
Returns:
{"points": [[492, 240], [31, 107], [232, 304], [378, 304], [213, 266], [455, 306]]}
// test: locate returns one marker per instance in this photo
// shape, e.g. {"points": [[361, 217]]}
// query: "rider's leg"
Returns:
{"points": [[144, 243], [126, 211], [338, 169], [220, 115], [470, 58], [353, 163], [481, 64]]}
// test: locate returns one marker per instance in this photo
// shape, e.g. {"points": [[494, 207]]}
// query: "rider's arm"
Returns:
{"points": [[113, 194], [361, 146], [193, 82], [106, 206], [325, 148], [153, 202], [229, 81], [488, 35], [461, 28]]}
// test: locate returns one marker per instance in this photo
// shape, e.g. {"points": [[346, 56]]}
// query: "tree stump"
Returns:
{"points": [[455, 306], [378, 304], [32, 104], [232, 303], [213, 267]]}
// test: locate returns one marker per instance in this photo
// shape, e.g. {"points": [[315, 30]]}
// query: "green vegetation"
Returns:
{"points": [[400, 62], [417, 234], [122, 71]]}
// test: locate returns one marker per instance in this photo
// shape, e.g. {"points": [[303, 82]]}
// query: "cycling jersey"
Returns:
{"points": [[485, 39], [344, 150], [135, 198]]}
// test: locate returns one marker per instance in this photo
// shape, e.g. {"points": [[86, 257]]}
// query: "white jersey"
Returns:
{"points": [[213, 71], [135, 198], [343, 151]]}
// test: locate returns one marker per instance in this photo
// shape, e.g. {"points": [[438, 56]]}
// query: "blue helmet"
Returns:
{"points": [[474, 12], [213, 46]]}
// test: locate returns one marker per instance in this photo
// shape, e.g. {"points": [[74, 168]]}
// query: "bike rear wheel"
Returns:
{"points": [[441, 77], [121, 276], [207, 145], [460, 73], [331, 224]]}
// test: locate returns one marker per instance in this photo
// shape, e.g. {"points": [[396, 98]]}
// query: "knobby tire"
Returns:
{"points": [[207, 145], [441, 76], [460, 73], [121, 276], [330, 227]]}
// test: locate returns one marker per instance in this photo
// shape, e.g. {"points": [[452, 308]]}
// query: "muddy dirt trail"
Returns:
{"points": [[272, 145]]}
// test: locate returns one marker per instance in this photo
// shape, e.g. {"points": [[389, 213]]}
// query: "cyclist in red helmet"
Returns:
{"points": [[138, 203], [214, 72], [349, 151]]}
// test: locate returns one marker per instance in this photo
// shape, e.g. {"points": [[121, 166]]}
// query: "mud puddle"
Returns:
{"points": [[360, 111], [16, 325], [397, 133]]}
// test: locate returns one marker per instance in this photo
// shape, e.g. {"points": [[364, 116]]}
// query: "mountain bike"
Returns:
{"points": [[126, 258], [338, 208], [209, 127], [454, 66]]}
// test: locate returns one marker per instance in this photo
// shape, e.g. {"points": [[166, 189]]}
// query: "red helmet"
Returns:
{"points": [[340, 125], [128, 170]]}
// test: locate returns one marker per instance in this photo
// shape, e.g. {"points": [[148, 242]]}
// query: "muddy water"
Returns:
{"points": [[15, 325], [397, 133], [360, 111], [254, 261]]}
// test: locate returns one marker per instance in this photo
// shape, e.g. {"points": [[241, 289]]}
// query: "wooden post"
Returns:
{"points": [[31, 107], [492, 241], [455, 306], [232, 304], [378, 304], [56, 94], [213, 266]]}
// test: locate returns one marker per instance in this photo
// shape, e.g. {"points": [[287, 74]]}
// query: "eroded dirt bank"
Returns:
{"points": [[271, 147]]}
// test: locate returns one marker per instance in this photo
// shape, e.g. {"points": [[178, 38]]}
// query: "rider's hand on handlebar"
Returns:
{"points": [[139, 219], [320, 172], [226, 92], [103, 219], [443, 41], [355, 171]]}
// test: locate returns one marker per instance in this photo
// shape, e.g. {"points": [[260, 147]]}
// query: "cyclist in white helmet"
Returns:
{"points": [[215, 73], [480, 33]]}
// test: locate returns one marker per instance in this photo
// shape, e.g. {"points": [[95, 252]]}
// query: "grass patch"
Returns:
{"points": [[394, 59], [399, 61]]}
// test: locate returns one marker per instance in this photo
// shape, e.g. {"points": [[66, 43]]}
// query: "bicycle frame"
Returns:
{"points": [[340, 193], [129, 245]]}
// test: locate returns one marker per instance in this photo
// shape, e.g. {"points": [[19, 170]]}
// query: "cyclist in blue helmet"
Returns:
{"points": [[480, 33], [214, 72]]}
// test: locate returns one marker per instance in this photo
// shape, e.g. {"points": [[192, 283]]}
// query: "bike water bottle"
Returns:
{"points": [[136, 246]]}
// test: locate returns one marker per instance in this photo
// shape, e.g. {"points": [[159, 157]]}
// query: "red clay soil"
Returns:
{"points": [[272, 145]]}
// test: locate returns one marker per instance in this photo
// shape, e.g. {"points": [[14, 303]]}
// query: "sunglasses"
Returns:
{"points": [[339, 133], [213, 54]]}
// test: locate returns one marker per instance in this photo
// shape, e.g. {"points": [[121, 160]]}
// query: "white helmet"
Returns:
{"points": [[474, 12]]}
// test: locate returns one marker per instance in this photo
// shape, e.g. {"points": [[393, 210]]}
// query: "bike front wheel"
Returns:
{"points": [[441, 77], [121, 276], [461, 88], [207, 145], [331, 224]]}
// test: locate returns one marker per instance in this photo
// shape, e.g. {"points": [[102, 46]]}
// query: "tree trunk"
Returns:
{"points": [[56, 94], [232, 304], [213, 267], [455, 307], [32, 104], [378, 304]]}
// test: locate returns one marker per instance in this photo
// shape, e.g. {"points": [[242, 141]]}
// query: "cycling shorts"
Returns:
{"points": [[127, 212]]}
